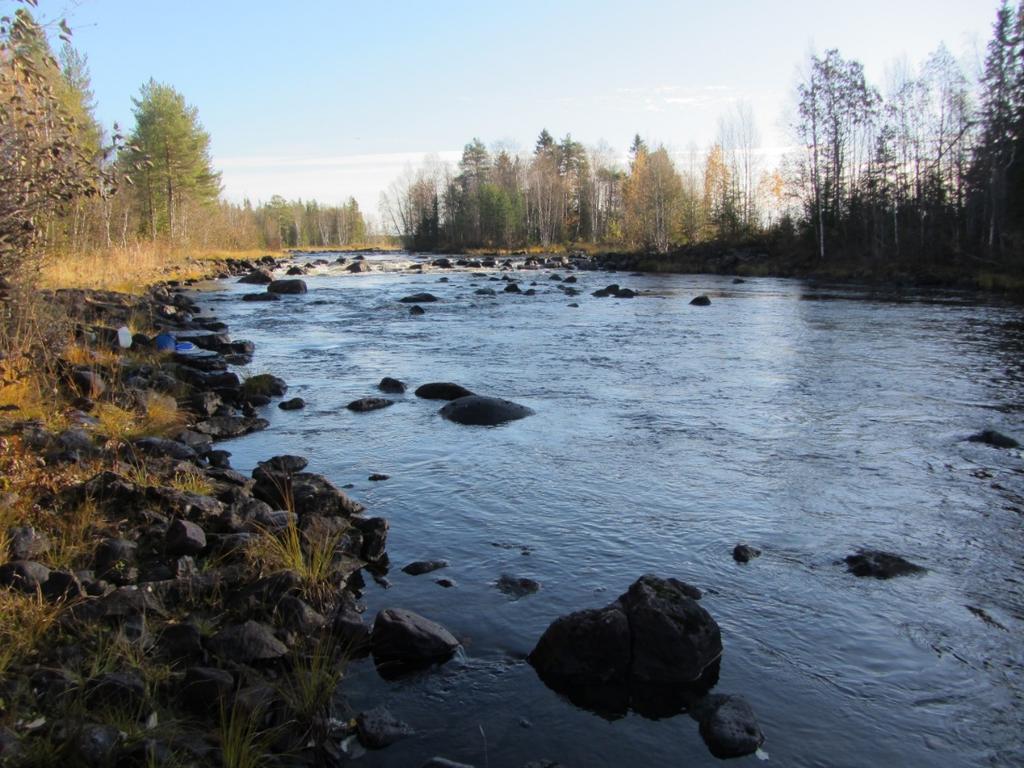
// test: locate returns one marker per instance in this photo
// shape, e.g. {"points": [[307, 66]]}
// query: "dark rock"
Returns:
{"points": [[117, 690], [73, 444], [625, 293], [483, 411], [365, 404], [62, 585], [26, 543], [378, 728], [442, 263], [424, 566], [512, 288], [295, 404], [257, 277], [298, 617], [184, 538], [292, 286], [744, 553], [729, 727], [993, 438], [446, 583], [88, 383], [159, 446], [485, 292], [264, 384], [352, 635], [700, 301], [880, 565], [115, 561], [375, 535], [441, 390], [181, 642], [260, 297], [358, 266], [377, 477], [24, 575], [738, 281], [295, 271], [281, 465], [249, 642], [416, 309], [443, 762], [517, 587], [409, 639], [391, 386], [94, 745], [570, 279], [205, 690], [305, 493], [653, 642], [224, 427], [218, 459], [418, 298]]}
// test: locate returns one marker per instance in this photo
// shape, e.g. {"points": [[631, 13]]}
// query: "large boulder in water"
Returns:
{"points": [[880, 565], [287, 286], [483, 411], [441, 390], [728, 726]]}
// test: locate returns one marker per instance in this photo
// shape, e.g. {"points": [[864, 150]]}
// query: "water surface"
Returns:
{"points": [[805, 421]]}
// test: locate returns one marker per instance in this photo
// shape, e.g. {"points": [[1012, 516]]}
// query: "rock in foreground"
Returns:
{"points": [[407, 640], [287, 286], [478, 410], [729, 727]]}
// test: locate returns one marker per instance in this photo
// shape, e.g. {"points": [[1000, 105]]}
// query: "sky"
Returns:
{"points": [[325, 99]]}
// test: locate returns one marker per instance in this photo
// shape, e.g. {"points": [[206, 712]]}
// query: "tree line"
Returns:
{"points": [[67, 186], [928, 170]]}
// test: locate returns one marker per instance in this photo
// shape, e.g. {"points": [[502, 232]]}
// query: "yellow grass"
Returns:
{"points": [[160, 418], [24, 621], [133, 269]]}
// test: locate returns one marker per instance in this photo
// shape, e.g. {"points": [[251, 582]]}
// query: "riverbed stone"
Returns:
{"points": [[729, 726], [441, 390], [700, 301], [416, 309], [294, 404], [478, 410], [517, 586], [366, 404], [378, 728], [257, 277], [290, 286], [744, 553], [880, 565], [420, 567], [418, 298], [993, 438], [260, 297], [391, 386]]}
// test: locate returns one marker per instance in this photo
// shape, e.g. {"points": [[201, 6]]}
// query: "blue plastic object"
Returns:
{"points": [[184, 346], [164, 342]]}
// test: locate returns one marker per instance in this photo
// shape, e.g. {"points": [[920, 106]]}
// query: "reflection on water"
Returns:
{"points": [[664, 435]]}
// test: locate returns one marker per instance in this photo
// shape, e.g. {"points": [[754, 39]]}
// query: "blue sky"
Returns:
{"points": [[326, 99]]}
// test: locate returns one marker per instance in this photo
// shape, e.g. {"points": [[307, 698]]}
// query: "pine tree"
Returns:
{"points": [[168, 159]]}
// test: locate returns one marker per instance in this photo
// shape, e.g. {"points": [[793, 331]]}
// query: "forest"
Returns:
{"points": [[927, 170]]}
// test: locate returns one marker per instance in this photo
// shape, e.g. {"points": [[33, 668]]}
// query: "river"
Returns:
{"points": [[806, 421]]}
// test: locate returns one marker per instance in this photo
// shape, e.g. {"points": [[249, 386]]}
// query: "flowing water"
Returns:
{"points": [[808, 422]]}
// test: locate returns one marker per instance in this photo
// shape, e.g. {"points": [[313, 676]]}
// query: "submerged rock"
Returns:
{"points": [[478, 410], [391, 386], [365, 404], [295, 404], [378, 728], [416, 309], [441, 390], [257, 277], [292, 286], [880, 565], [700, 301], [728, 726], [517, 587], [260, 297], [993, 438], [420, 567], [418, 298], [744, 553]]}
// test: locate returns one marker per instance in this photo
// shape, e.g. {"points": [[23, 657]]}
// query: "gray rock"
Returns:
{"points": [[441, 390], [184, 538], [378, 728], [115, 561], [406, 637], [477, 410], [365, 404], [352, 635], [249, 642], [303, 492], [292, 286], [729, 727], [585, 648], [420, 567], [298, 617], [24, 575], [880, 565], [158, 446]]}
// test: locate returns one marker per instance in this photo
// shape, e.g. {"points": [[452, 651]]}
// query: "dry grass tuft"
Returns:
{"points": [[24, 621], [288, 549]]}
